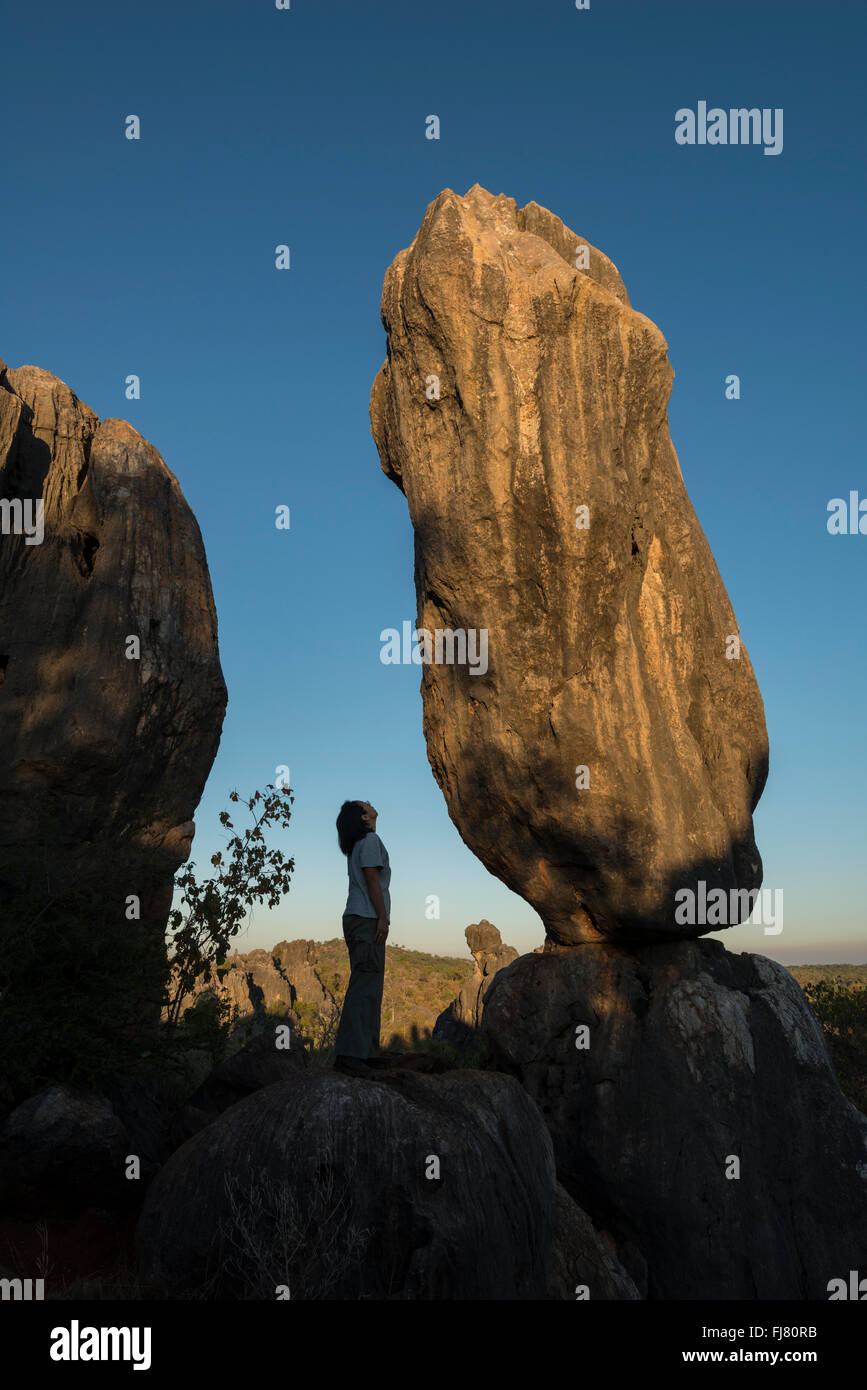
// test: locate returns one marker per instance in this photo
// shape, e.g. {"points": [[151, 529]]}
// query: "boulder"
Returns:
{"points": [[62, 1150], [144, 1106], [694, 1113], [258, 1064], [600, 740], [403, 1187], [459, 1022], [105, 744]]}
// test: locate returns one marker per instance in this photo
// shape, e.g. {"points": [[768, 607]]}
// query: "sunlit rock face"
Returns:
{"points": [[601, 744], [112, 696], [460, 1020]]}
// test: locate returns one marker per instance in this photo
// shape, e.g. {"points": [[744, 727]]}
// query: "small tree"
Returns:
{"points": [[212, 912]]}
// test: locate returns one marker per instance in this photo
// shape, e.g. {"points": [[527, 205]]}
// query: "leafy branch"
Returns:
{"points": [[213, 911]]}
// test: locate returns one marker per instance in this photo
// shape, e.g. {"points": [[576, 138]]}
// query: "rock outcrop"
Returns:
{"points": [[112, 697], [410, 1186], [459, 1022], [258, 1064], [607, 747], [250, 983], [694, 1114], [584, 1264], [256, 982], [63, 1149], [298, 962]]}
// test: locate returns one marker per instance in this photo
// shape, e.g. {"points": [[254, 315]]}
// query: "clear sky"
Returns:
{"points": [[306, 127]]}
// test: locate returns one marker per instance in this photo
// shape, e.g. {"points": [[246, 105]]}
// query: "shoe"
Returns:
{"points": [[352, 1066]]}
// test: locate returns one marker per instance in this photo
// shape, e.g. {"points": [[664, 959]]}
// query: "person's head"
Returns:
{"points": [[355, 820]]}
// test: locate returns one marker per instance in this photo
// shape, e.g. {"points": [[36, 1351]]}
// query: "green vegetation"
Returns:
{"points": [[838, 996], [418, 987], [83, 987], [812, 974], [80, 993], [213, 911]]}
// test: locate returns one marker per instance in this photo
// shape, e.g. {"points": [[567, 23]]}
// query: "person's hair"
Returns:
{"points": [[350, 826]]}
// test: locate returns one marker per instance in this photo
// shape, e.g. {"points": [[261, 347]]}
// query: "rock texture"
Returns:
{"points": [[298, 962], [609, 645], [102, 758], [250, 983], [584, 1263], [254, 982], [258, 1064], [695, 1056], [319, 1184], [460, 1021], [63, 1150]]}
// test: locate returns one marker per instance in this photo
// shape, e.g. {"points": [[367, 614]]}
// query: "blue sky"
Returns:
{"points": [[306, 127]]}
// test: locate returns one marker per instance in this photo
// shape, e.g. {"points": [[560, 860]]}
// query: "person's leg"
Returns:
{"points": [[358, 1033], [372, 974]]}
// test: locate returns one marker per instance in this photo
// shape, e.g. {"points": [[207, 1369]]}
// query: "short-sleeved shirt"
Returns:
{"points": [[367, 853]]}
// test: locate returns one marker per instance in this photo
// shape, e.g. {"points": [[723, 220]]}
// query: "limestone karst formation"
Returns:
{"points": [[252, 982], [461, 1019], [605, 760], [614, 749], [694, 1113], [112, 696], [406, 1187]]}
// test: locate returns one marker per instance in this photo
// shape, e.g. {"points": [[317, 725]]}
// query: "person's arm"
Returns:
{"points": [[374, 890]]}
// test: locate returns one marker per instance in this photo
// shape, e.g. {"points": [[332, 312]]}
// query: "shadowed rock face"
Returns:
{"points": [[62, 1148], [694, 1056], [325, 1184], [102, 759], [607, 642]]}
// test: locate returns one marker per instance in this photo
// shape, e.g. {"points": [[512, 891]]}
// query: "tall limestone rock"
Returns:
{"points": [[522, 410], [103, 758]]}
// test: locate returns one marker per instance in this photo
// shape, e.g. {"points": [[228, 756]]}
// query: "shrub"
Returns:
{"points": [[213, 911], [80, 994], [841, 1007], [271, 1238]]}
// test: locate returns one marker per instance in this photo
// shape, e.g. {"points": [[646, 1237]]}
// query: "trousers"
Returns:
{"points": [[358, 1033]]}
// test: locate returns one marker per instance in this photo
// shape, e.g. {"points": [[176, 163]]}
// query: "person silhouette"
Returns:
{"points": [[365, 930]]}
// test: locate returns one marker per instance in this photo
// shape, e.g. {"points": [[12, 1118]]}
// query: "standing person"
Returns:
{"points": [[365, 929]]}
